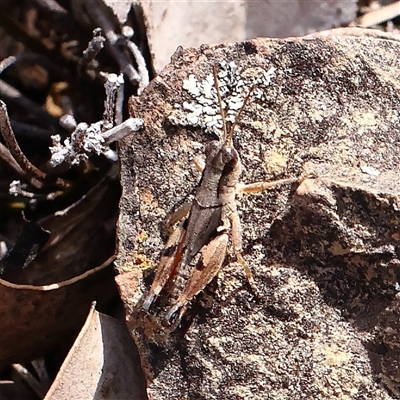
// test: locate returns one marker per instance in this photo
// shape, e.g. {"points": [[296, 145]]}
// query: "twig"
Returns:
{"points": [[39, 388], [122, 130], [381, 15], [67, 121], [6, 156], [88, 61], [119, 102], [102, 20], [111, 86], [13, 146], [17, 188], [141, 65], [4, 64], [15, 150], [86, 140]]}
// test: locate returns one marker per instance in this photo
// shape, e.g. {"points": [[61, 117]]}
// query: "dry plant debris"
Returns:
{"points": [[67, 70], [102, 364]]}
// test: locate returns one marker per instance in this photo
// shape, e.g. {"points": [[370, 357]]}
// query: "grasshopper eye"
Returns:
{"points": [[229, 154], [212, 148]]}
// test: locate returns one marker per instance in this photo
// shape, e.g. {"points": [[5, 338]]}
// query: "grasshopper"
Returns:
{"points": [[197, 248]]}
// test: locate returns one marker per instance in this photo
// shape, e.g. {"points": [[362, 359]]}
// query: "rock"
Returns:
{"points": [[324, 252]]}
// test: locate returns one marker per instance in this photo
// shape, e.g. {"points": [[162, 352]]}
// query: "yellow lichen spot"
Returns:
{"points": [[142, 236], [128, 266], [54, 100], [143, 262], [18, 205]]}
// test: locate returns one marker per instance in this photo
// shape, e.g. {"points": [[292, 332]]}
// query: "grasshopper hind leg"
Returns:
{"points": [[168, 264], [208, 266]]}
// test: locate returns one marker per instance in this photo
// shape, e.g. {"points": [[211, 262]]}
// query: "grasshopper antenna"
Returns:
{"points": [[230, 138], [226, 138]]}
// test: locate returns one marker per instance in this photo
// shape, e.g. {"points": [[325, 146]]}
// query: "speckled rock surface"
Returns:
{"points": [[324, 252]]}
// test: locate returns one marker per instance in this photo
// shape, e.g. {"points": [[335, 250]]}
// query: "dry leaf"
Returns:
{"points": [[102, 364]]}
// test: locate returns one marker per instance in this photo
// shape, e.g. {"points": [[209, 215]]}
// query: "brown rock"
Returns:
{"points": [[324, 252]]}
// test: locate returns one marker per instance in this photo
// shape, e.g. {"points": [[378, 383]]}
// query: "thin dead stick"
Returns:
{"points": [[119, 103], [6, 156], [381, 15], [141, 65], [15, 150], [88, 60], [13, 145], [58, 285], [17, 189], [4, 64], [111, 86], [101, 19]]}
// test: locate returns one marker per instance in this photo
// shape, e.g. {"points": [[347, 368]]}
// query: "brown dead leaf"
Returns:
{"points": [[48, 299], [102, 364], [34, 319]]}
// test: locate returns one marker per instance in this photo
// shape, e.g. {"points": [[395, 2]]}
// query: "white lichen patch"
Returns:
{"points": [[203, 110]]}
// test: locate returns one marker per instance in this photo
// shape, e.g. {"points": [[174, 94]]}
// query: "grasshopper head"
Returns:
{"points": [[219, 154]]}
